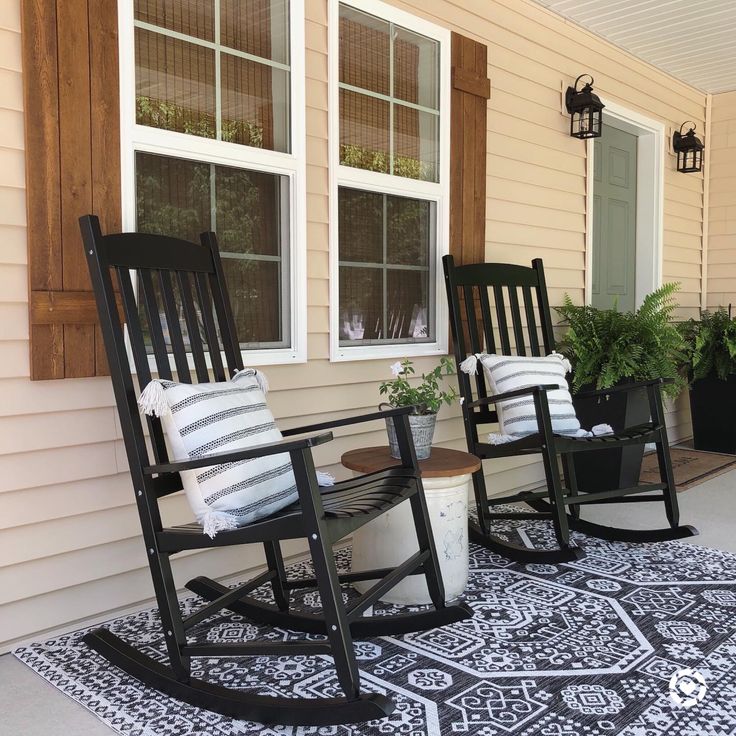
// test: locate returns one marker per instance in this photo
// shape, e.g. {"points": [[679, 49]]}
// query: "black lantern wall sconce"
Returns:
{"points": [[585, 108], [689, 149]]}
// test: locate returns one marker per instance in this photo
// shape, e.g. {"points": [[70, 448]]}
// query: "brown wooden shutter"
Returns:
{"points": [[70, 74], [471, 90]]}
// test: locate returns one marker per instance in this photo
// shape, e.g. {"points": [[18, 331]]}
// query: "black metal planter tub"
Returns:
{"points": [[713, 412], [620, 467]]}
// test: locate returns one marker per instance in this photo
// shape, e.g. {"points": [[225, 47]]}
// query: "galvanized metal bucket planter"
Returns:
{"points": [[422, 432]]}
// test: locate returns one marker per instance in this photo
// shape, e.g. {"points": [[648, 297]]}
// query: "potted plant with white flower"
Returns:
{"points": [[426, 397]]}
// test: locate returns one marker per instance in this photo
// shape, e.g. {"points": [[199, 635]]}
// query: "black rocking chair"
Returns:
{"points": [[483, 299], [182, 283]]}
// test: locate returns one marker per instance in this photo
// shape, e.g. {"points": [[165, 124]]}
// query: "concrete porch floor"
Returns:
{"points": [[32, 707]]}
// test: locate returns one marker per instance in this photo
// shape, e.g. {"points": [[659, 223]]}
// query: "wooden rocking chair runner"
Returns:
{"points": [[503, 309], [176, 277]]}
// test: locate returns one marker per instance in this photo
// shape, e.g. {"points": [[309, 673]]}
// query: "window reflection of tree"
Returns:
{"points": [[378, 232], [184, 198]]}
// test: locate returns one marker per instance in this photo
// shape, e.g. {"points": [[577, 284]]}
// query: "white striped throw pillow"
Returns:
{"points": [[517, 417], [207, 418]]}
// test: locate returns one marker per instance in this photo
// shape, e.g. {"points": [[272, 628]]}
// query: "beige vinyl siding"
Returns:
{"points": [[721, 169], [69, 544]]}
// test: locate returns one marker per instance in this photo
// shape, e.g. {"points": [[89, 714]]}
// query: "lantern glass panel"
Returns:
{"points": [[575, 123], [586, 123], [690, 160], [594, 125]]}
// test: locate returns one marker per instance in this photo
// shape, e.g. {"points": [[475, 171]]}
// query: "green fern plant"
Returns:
{"points": [[606, 346], [710, 344]]}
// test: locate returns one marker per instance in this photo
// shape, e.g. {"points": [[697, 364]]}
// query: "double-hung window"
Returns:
{"points": [[389, 166], [212, 108]]}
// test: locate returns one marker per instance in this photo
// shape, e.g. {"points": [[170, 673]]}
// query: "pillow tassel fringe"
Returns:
{"points": [[217, 521], [470, 364], [325, 480], [500, 439], [601, 429], [565, 362], [153, 400], [262, 381], [260, 377], [597, 431]]}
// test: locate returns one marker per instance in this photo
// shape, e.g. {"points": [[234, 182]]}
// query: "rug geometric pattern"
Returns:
{"points": [[580, 649]]}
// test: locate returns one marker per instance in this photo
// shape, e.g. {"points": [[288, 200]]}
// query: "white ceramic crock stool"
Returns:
{"points": [[391, 539]]}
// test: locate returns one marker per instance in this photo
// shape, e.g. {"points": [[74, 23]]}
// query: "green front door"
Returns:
{"points": [[614, 220]]}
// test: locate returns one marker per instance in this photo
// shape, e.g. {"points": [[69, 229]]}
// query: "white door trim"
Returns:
{"points": [[650, 135]]}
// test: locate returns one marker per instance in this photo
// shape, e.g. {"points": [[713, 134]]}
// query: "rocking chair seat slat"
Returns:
{"points": [[632, 435], [377, 493]]}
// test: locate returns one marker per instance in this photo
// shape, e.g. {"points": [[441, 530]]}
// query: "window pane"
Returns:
{"points": [[409, 231], [191, 17], [364, 51], [416, 69], [177, 80], [393, 302], [408, 305], [360, 223], [172, 196], [254, 288], [361, 304], [185, 198], [415, 143], [255, 108], [364, 132], [392, 126], [257, 27], [249, 211], [175, 84]]}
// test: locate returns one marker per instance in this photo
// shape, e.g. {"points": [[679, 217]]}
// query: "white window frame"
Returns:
{"points": [[142, 138], [389, 184]]}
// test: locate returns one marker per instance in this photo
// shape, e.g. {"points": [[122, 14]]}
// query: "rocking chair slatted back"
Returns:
{"points": [[183, 311], [504, 309], [496, 308]]}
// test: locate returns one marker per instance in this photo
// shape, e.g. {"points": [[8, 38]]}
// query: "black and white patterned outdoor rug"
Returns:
{"points": [[581, 649]]}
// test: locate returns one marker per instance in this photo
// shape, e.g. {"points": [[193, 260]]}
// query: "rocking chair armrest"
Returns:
{"points": [[255, 451], [513, 394], [332, 423], [623, 387]]}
